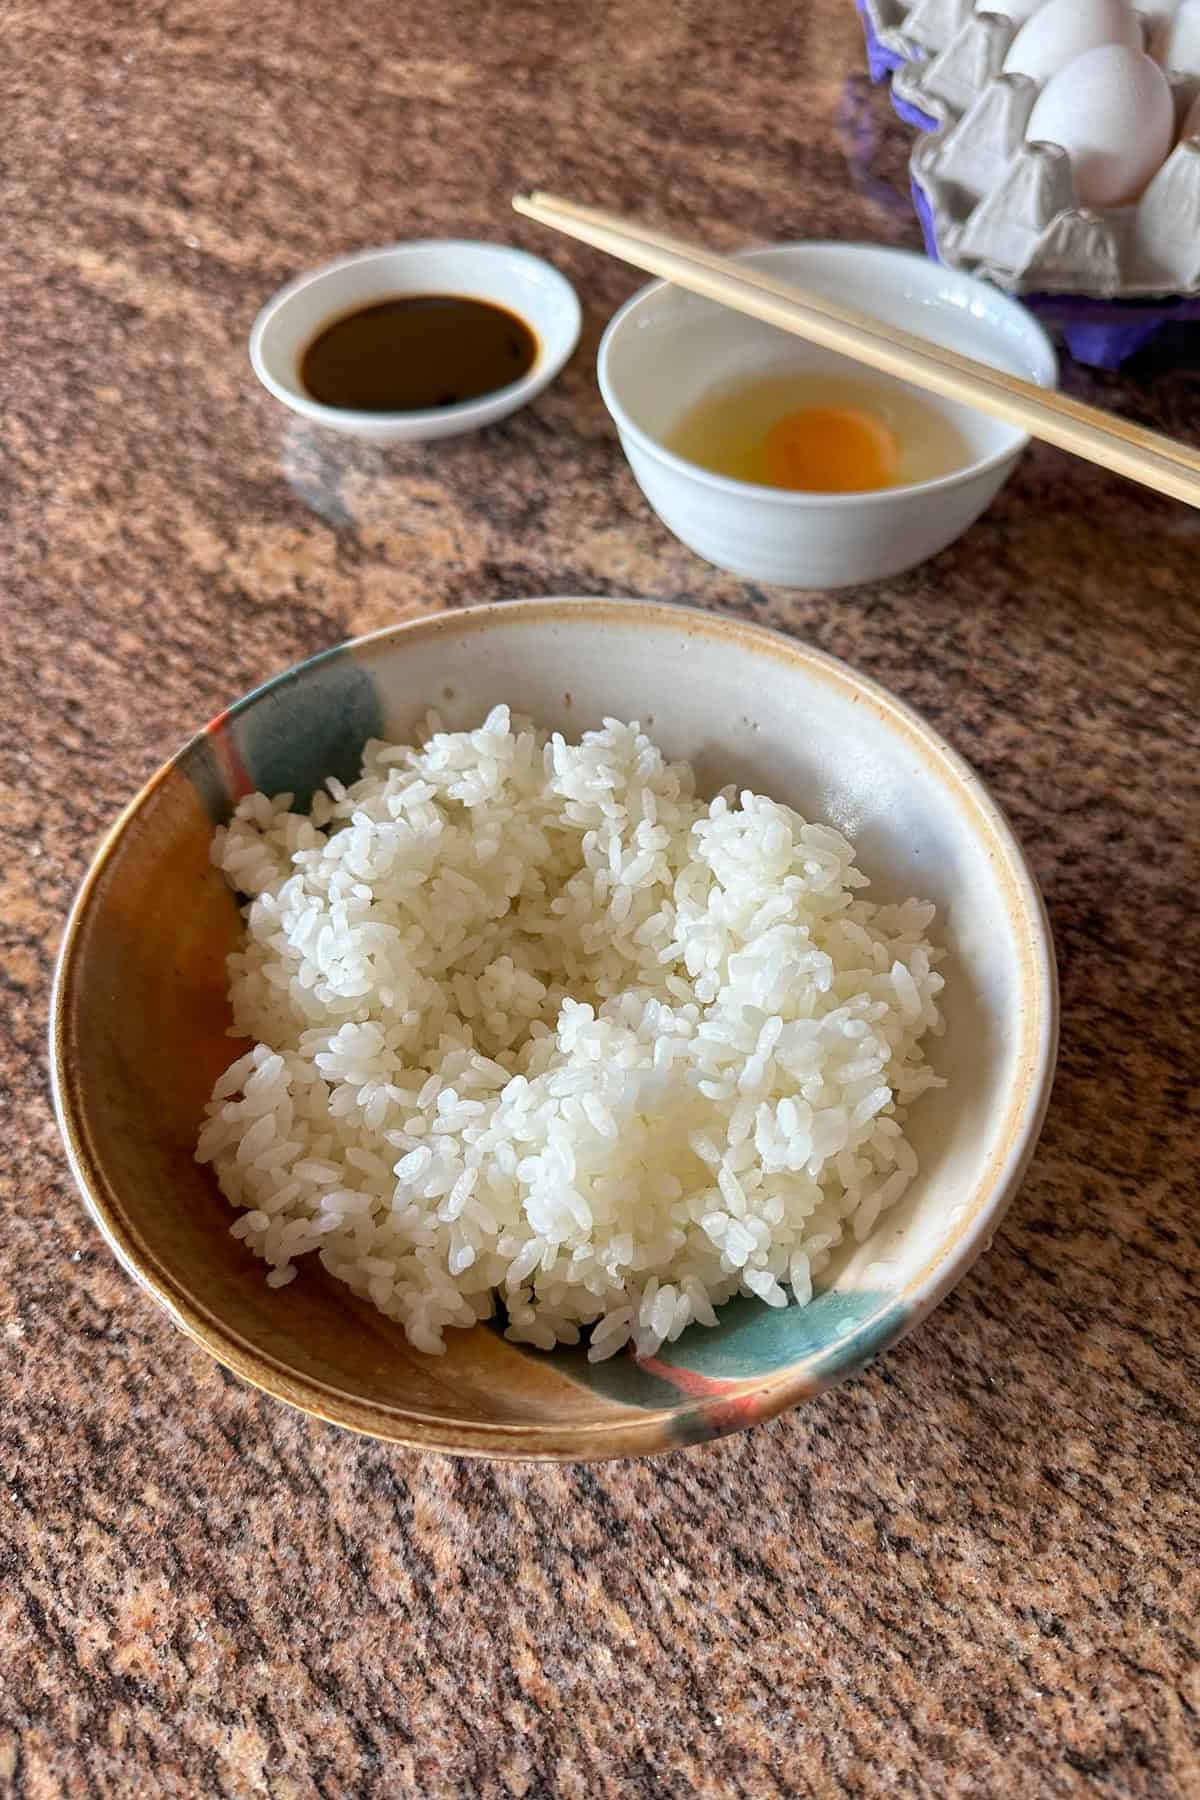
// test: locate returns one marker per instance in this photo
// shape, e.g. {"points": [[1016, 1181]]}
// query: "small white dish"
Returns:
{"points": [[508, 277], [665, 348]]}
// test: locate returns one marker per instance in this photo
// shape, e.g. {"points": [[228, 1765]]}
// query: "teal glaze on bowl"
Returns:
{"points": [[153, 923], [287, 736], [837, 1331]]}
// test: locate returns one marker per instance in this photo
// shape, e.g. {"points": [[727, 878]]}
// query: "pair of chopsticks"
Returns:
{"points": [[1156, 461]]}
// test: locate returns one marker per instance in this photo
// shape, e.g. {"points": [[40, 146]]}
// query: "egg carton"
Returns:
{"points": [[993, 205], [902, 32], [888, 52], [941, 53]]}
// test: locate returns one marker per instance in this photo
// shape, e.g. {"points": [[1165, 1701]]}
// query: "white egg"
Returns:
{"points": [[1176, 42], [1016, 10], [1191, 120], [1111, 111], [1064, 29]]}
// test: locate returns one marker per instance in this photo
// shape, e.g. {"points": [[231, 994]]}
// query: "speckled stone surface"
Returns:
{"points": [[971, 1571]]}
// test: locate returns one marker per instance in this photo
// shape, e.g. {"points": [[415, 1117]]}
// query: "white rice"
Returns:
{"points": [[531, 1021]]}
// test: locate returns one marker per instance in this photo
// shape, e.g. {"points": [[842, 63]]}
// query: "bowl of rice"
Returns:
{"points": [[565, 1029]]}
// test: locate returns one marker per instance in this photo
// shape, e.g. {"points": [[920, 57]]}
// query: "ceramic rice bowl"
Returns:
{"points": [[141, 1014]]}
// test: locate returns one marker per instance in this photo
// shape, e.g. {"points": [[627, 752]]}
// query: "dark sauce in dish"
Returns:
{"points": [[416, 352]]}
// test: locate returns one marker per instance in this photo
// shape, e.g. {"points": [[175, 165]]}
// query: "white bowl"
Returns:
{"points": [[665, 348], [512, 278]]}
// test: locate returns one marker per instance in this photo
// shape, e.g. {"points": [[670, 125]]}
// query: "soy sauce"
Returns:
{"points": [[415, 352]]}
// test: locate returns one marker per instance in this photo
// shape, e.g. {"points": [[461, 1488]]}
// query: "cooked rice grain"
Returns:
{"points": [[532, 1022]]}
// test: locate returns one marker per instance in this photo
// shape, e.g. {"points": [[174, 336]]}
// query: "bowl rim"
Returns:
{"points": [[642, 1431], [795, 498], [485, 407]]}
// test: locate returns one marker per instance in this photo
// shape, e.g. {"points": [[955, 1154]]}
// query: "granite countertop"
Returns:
{"points": [[972, 1570]]}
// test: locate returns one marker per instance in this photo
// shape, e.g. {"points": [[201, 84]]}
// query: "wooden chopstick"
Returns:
{"points": [[1158, 462]]}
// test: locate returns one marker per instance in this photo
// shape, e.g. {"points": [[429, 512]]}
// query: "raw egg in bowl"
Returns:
{"points": [[786, 463]]}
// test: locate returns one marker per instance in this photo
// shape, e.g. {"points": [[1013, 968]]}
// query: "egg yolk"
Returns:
{"points": [[831, 450]]}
